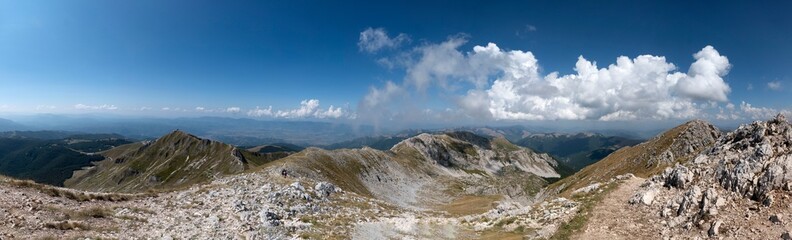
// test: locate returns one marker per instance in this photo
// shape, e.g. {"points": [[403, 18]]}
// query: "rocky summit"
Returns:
{"points": [[738, 188]]}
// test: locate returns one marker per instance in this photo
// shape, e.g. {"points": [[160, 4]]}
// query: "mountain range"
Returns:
{"points": [[691, 181]]}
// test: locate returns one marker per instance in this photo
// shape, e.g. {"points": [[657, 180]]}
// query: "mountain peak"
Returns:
{"points": [[179, 134], [174, 160]]}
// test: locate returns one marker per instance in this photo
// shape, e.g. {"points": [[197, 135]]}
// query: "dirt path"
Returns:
{"points": [[614, 218]]}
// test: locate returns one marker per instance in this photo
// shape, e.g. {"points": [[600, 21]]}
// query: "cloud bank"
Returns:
{"points": [[508, 85], [309, 108], [81, 106]]}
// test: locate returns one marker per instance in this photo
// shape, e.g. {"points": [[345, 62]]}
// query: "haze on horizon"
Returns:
{"points": [[402, 64]]}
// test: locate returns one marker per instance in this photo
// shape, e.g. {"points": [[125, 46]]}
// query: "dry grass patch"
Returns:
{"points": [[471, 204], [75, 194]]}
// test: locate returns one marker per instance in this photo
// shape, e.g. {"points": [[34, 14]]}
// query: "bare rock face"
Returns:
{"points": [[756, 159], [750, 165], [677, 177]]}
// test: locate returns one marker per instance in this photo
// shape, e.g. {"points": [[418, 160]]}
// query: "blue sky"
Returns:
{"points": [[300, 57]]}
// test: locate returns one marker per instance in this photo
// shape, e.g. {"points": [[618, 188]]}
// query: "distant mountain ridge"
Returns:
{"points": [[8, 125]]}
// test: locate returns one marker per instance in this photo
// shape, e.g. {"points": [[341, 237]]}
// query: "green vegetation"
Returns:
{"points": [[44, 161], [51, 156], [576, 151]]}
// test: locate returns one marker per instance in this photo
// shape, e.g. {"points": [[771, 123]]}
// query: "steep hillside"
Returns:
{"points": [[677, 145], [175, 160], [44, 161], [49, 156], [576, 150]]}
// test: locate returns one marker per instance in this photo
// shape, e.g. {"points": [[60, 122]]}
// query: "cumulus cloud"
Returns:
{"points": [[309, 108], [233, 110], [260, 112], [375, 39], [81, 106], [704, 79], [507, 85], [774, 85]]}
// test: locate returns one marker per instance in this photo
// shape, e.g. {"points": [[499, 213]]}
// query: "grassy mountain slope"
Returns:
{"points": [[175, 160], [677, 145]]}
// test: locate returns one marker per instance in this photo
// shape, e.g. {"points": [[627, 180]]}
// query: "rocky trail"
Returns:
{"points": [[613, 218]]}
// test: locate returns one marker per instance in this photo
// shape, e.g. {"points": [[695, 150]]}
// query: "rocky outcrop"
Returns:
{"points": [[677, 145], [750, 165]]}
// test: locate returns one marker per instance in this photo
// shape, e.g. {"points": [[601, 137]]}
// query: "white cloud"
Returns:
{"points": [[704, 79], [377, 96], [166, 109], [260, 112], [375, 39], [200, 109], [233, 110], [81, 106], [507, 85], [309, 108], [761, 113], [774, 85], [750, 87]]}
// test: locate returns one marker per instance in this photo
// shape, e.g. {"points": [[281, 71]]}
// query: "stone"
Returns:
{"points": [[786, 236], [324, 189], [587, 189], [678, 177], [715, 228], [776, 219], [645, 197]]}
